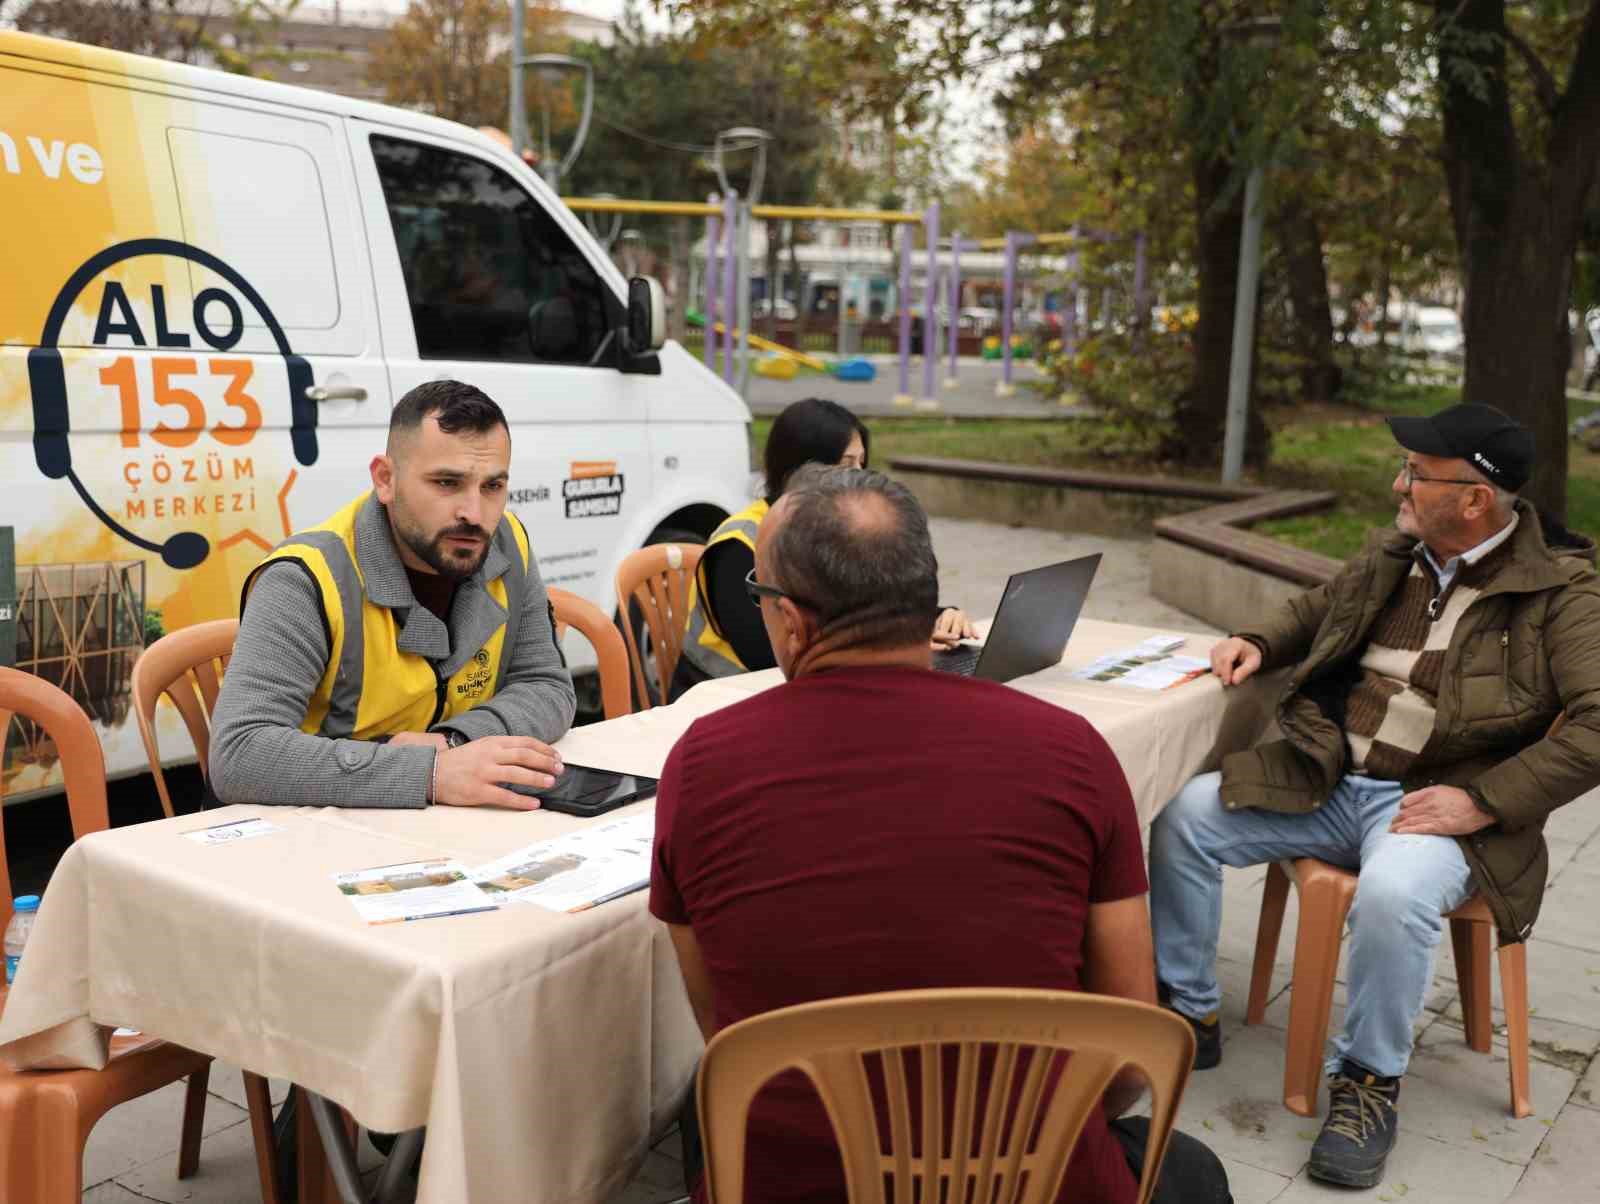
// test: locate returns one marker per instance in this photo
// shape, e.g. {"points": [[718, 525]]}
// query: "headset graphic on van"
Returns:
{"points": [[52, 423]]}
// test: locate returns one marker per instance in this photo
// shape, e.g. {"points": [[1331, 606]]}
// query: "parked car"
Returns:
{"points": [[786, 310], [1433, 330]]}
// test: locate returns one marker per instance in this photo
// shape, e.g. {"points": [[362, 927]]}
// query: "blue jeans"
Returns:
{"points": [[1406, 883]]}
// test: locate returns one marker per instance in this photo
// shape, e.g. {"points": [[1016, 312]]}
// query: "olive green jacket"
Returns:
{"points": [[1524, 653]]}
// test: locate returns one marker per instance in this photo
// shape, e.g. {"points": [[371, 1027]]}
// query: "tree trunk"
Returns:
{"points": [[1517, 212], [1308, 292], [1202, 410], [1516, 333]]}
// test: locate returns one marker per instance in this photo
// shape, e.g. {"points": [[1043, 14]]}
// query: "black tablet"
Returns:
{"points": [[584, 791]]}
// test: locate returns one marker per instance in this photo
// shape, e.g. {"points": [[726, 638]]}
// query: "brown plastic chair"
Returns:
{"points": [[832, 1042], [186, 666], [1326, 893], [656, 579], [572, 611], [46, 1115]]}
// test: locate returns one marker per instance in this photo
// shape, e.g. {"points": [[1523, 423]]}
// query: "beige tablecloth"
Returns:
{"points": [[542, 1050]]}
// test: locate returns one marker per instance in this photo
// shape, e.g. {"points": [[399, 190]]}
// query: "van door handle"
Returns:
{"points": [[335, 393]]}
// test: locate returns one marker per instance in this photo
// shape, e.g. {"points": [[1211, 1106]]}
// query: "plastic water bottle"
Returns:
{"points": [[25, 910]]}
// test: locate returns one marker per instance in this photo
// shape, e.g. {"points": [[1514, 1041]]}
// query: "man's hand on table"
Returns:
{"points": [[1233, 660], [473, 774], [1439, 811]]}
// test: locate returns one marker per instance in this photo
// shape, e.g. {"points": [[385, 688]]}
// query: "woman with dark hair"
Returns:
{"points": [[726, 635]]}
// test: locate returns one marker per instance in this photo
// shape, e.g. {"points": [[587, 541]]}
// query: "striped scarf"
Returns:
{"points": [[1390, 711]]}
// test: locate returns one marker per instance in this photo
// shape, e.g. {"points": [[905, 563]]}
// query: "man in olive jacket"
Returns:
{"points": [[1417, 749]]}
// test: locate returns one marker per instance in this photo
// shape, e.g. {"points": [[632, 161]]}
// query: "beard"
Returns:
{"points": [[455, 563]]}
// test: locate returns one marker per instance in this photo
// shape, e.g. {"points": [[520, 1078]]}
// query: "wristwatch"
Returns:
{"points": [[453, 738]]}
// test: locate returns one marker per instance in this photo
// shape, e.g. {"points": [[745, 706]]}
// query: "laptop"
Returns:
{"points": [[1032, 625]]}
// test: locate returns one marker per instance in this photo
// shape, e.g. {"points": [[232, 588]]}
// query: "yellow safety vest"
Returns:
{"points": [[704, 645], [372, 687]]}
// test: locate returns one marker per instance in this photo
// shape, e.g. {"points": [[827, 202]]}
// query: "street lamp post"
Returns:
{"points": [[550, 68], [1266, 30], [743, 137]]}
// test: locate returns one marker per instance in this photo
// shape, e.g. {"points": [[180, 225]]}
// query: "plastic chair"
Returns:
{"points": [[831, 1041], [46, 1115], [656, 580], [186, 666], [1326, 892], [572, 611]]}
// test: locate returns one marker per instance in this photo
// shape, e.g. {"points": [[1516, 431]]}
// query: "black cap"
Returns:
{"points": [[1492, 442]]}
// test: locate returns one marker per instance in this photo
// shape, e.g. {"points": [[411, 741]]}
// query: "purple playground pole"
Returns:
{"points": [[730, 269], [953, 285], [930, 296], [713, 233], [1005, 312], [905, 311], [1140, 268]]}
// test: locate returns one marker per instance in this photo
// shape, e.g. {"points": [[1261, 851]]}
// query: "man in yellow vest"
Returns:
{"points": [[403, 652]]}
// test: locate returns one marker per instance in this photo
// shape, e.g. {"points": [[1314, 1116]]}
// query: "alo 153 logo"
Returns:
{"points": [[217, 320]]}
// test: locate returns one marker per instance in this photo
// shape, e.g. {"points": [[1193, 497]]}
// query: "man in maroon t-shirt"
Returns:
{"points": [[874, 826]]}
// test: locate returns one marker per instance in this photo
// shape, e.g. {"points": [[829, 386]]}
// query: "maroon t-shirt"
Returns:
{"points": [[868, 830]]}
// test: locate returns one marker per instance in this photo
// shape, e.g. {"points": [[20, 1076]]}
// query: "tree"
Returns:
{"points": [[179, 30], [1521, 151], [449, 58], [1179, 105]]}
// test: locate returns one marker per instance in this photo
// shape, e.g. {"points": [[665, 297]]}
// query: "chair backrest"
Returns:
{"points": [[83, 764], [656, 579], [186, 666], [616, 696], [1014, 1043]]}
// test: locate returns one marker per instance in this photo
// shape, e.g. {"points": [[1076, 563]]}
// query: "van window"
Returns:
{"points": [[489, 273], [259, 206]]}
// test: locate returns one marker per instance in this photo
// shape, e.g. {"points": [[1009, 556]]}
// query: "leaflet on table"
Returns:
{"points": [[233, 831], [412, 890], [575, 871], [1151, 665]]}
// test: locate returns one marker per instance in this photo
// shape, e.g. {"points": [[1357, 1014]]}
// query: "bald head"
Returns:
{"points": [[852, 547]]}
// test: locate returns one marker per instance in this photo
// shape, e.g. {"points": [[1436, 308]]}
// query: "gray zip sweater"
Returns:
{"points": [[260, 755]]}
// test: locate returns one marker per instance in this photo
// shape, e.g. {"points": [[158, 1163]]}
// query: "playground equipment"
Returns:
{"points": [[726, 321], [1014, 241]]}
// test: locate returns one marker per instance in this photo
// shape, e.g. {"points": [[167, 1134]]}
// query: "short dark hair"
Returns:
{"points": [[813, 431], [456, 406], [854, 546]]}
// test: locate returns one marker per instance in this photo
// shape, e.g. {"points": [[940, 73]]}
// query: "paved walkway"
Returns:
{"points": [[1458, 1143], [972, 397]]}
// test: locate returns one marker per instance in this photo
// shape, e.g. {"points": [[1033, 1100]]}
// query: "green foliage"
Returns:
{"points": [[153, 627], [661, 98], [1134, 386]]}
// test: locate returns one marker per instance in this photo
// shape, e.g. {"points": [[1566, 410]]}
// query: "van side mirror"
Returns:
{"points": [[647, 315]]}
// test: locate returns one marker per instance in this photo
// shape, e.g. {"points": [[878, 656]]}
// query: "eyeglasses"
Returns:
{"points": [[1409, 476], [756, 591]]}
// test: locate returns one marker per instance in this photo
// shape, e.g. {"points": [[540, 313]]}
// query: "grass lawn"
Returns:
{"points": [[1343, 447]]}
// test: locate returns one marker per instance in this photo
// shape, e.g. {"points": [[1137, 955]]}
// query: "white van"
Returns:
{"points": [[215, 289]]}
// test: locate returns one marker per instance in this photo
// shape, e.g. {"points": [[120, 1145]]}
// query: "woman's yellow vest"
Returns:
{"points": [[372, 687], [704, 645]]}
